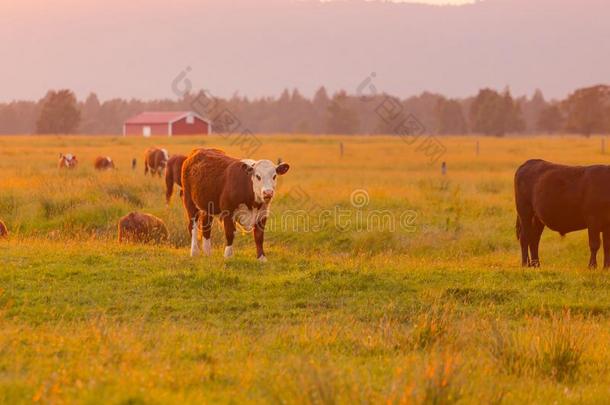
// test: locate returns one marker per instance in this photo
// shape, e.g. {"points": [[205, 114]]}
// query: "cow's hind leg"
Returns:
{"points": [[229, 226], [206, 229], [606, 235], [534, 241], [169, 187], [193, 215], [594, 245]]}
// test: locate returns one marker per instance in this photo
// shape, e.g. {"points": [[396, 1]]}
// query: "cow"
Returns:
{"points": [[103, 163], [234, 190], [3, 230], [564, 199], [155, 160], [173, 175], [67, 161], [143, 228]]}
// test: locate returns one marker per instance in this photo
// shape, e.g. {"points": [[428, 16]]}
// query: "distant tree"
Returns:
{"points": [[90, 110], [550, 119], [59, 114], [532, 109], [513, 121], [320, 105], [450, 117], [341, 118], [587, 110], [492, 113]]}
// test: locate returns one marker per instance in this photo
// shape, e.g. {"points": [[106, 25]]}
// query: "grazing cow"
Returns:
{"points": [[143, 228], [173, 175], [215, 184], [155, 160], [3, 230], [67, 161], [103, 163], [565, 199]]}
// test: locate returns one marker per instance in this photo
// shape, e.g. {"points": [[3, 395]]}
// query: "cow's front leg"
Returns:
{"points": [[594, 245], [259, 238], [194, 242], [606, 241], [229, 226]]}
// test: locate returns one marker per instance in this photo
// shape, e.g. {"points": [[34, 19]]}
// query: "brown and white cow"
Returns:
{"points": [[3, 230], [67, 161], [103, 163], [142, 228], [155, 160], [173, 175], [234, 190]]}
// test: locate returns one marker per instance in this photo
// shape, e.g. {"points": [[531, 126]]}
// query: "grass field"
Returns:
{"points": [[436, 311]]}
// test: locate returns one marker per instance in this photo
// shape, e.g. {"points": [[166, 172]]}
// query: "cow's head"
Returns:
{"points": [[164, 158], [69, 159], [72, 161], [264, 175]]}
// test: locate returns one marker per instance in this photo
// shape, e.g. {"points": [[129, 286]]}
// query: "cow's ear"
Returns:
{"points": [[247, 168], [282, 169]]}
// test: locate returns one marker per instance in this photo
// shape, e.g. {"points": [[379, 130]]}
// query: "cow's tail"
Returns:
{"points": [[518, 228]]}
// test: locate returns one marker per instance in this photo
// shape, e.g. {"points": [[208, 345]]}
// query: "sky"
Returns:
{"points": [[259, 48]]}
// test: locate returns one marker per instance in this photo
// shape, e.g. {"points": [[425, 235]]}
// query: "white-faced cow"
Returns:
{"points": [[155, 160], [103, 163], [234, 190], [67, 161]]}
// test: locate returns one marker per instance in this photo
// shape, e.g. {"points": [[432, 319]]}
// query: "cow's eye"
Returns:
{"points": [[258, 177]]}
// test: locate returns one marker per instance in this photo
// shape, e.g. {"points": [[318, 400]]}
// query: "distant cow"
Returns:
{"points": [[3, 230], [155, 160], [173, 175], [67, 161], [143, 228], [215, 184], [565, 199], [103, 163]]}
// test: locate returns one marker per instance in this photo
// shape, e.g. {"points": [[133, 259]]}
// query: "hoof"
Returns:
{"points": [[228, 252], [207, 247], [195, 252], [262, 259]]}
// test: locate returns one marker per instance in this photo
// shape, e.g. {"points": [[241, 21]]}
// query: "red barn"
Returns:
{"points": [[168, 123]]}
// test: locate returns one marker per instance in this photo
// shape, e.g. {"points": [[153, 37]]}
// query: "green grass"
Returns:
{"points": [[438, 314]]}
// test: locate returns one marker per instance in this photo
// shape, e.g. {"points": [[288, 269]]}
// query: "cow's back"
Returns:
{"points": [[558, 195], [155, 157], [204, 175]]}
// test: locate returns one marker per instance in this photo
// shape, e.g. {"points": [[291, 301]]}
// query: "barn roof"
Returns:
{"points": [[161, 117]]}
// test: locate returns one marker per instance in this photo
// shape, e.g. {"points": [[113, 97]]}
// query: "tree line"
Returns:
{"points": [[586, 111]]}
